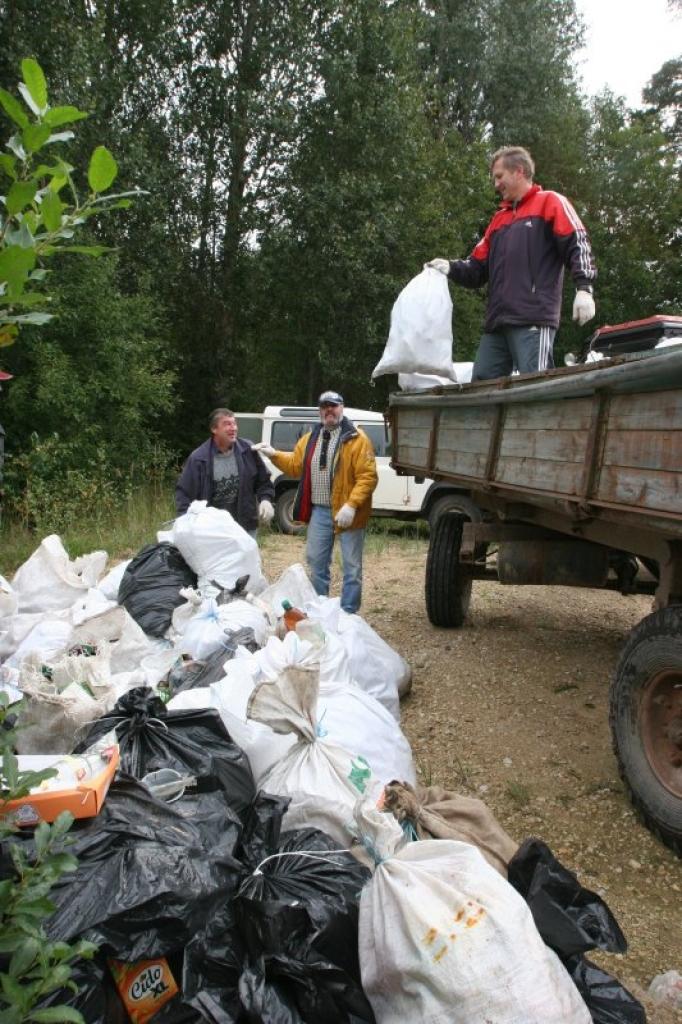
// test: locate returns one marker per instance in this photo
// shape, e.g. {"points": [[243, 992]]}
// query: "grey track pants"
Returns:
{"points": [[526, 349]]}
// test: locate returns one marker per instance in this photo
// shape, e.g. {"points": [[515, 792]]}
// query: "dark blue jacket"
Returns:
{"points": [[195, 482]]}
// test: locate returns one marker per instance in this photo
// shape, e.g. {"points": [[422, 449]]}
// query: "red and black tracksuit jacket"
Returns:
{"points": [[522, 256]]}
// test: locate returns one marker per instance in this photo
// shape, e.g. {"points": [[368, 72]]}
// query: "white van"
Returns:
{"points": [[399, 497]]}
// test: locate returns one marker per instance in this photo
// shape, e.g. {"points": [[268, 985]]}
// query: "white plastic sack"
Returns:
{"points": [[323, 780], [9, 602], [206, 631], [214, 545], [420, 338], [374, 665], [48, 638], [460, 374], [49, 580], [345, 715], [129, 644], [110, 583], [52, 719], [293, 586], [444, 938], [309, 646]]}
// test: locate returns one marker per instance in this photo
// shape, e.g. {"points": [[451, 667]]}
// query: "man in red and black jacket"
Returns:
{"points": [[522, 255]]}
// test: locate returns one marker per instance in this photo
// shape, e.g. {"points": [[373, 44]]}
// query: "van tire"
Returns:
{"points": [[284, 509], [457, 503]]}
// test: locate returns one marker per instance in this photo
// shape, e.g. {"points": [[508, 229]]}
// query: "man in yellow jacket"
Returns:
{"points": [[337, 474]]}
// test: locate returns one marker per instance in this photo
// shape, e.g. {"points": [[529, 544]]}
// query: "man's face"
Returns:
{"points": [[225, 432], [330, 414], [511, 184]]}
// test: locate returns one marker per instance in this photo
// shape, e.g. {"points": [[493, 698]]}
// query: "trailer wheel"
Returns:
{"points": [[448, 583], [284, 508], [454, 503], [646, 722]]}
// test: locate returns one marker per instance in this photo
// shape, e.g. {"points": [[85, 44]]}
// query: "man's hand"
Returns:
{"points": [[441, 265], [583, 307], [266, 512], [263, 448], [345, 516]]}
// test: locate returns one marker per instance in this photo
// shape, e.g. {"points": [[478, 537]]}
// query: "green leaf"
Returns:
{"points": [[8, 164], [35, 82], [41, 837], [13, 108], [64, 115], [15, 266], [55, 1014], [35, 136], [34, 907], [20, 195], [12, 989], [51, 210], [23, 957], [102, 170]]}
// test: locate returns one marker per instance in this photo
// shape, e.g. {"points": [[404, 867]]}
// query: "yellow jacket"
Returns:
{"points": [[354, 473]]}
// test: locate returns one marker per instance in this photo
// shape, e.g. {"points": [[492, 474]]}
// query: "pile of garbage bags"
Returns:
{"points": [[264, 852]]}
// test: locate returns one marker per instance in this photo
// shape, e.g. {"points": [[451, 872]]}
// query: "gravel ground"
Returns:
{"points": [[513, 708]]}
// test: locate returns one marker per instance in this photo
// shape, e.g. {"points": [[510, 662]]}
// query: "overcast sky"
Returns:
{"points": [[627, 41]]}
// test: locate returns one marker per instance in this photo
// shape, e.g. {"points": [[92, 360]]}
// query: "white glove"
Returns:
{"points": [[583, 307], [266, 511], [442, 265], [264, 448], [345, 516]]}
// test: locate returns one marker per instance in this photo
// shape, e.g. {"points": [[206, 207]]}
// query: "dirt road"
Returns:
{"points": [[513, 708]]}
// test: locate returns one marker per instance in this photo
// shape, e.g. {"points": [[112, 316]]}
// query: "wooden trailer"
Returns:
{"points": [[575, 478]]}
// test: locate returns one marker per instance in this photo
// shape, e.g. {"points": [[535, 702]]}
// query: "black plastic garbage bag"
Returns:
{"points": [[193, 742], [608, 1001], [285, 948], [189, 675], [150, 587], [570, 918], [573, 920], [147, 876]]}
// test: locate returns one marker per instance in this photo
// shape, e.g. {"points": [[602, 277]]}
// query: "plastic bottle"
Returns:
{"points": [[292, 615]]}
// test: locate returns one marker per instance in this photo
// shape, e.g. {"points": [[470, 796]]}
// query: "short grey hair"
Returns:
{"points": [[218, 414], [515, 158]]}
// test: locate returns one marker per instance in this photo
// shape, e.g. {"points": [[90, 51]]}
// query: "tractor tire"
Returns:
{"points": [[284, 508], [447, 585], [646, 722]]}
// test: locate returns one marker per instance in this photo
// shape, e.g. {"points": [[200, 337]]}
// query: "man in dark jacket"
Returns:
{"points": [[227, 473], [522, 255]]}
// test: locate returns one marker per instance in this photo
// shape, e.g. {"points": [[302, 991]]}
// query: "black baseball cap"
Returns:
{"points": [[330, 398]]}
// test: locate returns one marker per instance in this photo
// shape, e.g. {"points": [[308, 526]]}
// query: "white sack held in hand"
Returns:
{"points": [[324, 780], [420, 339], [214, 545], [444, 938]]}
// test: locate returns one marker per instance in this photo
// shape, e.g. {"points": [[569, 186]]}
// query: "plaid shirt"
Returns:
{"points": [[321, 479]]}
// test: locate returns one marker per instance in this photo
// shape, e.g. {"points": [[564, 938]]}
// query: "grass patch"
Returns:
{"points": [[121, 535], [519, 793]]}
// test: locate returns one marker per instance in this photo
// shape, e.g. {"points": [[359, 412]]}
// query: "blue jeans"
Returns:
{"points": [[319, 547]]}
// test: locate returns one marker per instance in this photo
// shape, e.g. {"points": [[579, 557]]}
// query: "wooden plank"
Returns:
{"points": [[460, 463], [417, 457], [641, 488], [650, 410], [557, 445], [411, 419], [463, 440], [468, 417], [418, 437], [644, 449], [540, 474], [569, 414]]}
